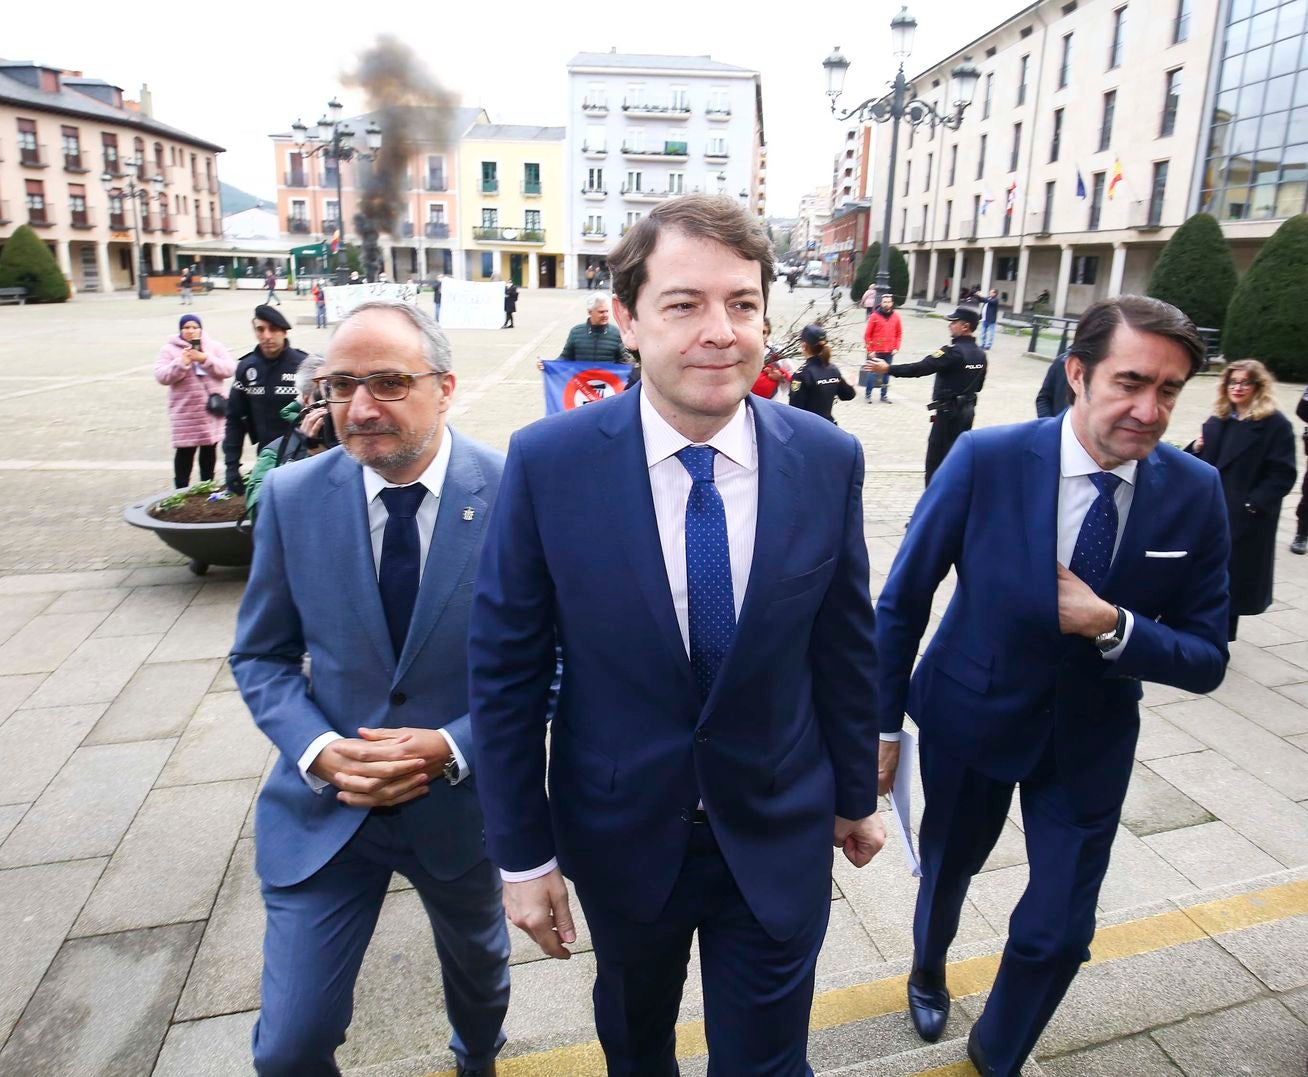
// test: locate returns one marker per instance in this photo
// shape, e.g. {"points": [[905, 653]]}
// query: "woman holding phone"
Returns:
{"points": [[194, 367]]}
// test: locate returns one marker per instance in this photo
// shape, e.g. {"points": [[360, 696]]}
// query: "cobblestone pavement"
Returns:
{"points": [[128, 900]]}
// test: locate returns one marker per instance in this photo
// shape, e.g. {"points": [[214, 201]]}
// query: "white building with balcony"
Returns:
{"points": [[642, 128]]}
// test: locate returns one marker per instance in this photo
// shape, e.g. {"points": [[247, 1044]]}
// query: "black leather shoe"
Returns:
{"points": [[977, 1056], [483, 1071], [928, 1003]]}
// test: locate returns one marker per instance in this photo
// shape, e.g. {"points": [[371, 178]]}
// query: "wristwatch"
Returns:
{"points": [[451, 770], [1106, 641]]}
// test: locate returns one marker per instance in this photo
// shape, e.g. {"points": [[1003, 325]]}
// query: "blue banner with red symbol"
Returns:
{"points": [[570, 384]]}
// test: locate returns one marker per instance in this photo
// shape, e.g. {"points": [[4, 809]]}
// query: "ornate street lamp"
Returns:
{"points": [[902, 103], [336, 141], [111, 184]]}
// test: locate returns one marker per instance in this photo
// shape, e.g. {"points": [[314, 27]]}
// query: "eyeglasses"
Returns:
{"points": [[1236, 383], [388, 388]]}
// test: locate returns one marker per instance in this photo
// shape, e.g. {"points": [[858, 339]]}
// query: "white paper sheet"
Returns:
{"points": [[901, 799]]}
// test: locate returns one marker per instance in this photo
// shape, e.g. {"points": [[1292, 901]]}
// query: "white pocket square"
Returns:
{"points": [[1166, 553]]}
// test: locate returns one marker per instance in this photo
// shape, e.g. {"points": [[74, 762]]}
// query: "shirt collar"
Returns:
{"points": [[735, 441], [433, 478], [1076, 461]]}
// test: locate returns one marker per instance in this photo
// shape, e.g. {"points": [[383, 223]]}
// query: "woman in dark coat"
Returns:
{"points": [[1252, 445], [510, 304]]}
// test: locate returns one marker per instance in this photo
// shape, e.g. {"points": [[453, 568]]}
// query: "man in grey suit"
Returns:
{"points": [[364, 560]]}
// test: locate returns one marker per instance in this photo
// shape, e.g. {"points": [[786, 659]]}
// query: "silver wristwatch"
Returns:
{"points": [[1106, 641], [450, 770]]}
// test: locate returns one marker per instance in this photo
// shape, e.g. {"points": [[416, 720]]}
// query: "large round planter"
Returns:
{"points": [[226, 543]]}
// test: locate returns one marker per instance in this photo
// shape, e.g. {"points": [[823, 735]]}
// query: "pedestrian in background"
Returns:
{"points": [[270, 282], [510, 304], [436, 298], [989, 318], [319, 305], [1252, 446], [816, 385], [184, 285], [1053, 396], [194, 367], [882, 337]]}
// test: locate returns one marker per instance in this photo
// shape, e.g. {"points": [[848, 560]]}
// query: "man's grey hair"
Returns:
{"points": [[435, 344], [305, 373], [596, 299]]}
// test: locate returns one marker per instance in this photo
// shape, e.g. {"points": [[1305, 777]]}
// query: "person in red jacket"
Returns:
{"points": [[882, 338]]}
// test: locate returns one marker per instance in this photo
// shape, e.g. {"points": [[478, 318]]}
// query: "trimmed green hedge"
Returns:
{"points": [[26, 262], [866, 274], [1265, 319], [1196, 273]]}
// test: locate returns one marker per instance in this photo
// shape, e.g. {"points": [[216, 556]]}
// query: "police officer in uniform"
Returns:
{"points": [[264, 384], [960, 370], [815, 385]]}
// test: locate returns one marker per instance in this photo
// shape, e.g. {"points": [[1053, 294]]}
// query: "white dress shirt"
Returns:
{"points": [[735, 474], [1076, 493], [373, 484]]}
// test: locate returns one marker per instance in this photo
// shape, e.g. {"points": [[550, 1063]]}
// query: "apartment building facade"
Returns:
{"points": [[426, 240], [1098, 127], [643, 128], [61, 134], [514, 227]]}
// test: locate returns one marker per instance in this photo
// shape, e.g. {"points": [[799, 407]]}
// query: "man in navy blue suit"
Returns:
{"points": [[715, 733], [364, 560], [1089, 557]]}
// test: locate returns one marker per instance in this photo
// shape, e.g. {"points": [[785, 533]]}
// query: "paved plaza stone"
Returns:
{"points": [[128, 897]]}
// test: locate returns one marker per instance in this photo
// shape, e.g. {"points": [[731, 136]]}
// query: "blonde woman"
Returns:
{"points": [[1252, 445]]}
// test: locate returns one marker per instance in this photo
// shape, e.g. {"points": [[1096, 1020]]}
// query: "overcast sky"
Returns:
{"points": [[235, 72]]}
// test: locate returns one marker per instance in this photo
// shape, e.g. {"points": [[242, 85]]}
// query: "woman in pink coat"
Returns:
{"points": [[193, 365]]}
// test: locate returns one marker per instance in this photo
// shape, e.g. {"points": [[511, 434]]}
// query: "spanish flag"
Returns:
{"points": [[336, 241], [1117, 177]]}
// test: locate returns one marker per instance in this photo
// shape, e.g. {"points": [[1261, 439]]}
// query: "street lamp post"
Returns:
{"points": [[109, 184], [902, 103], [334, 140]]}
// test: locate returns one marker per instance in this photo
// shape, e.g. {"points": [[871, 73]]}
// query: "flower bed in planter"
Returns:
{"points": [[203, 527]]}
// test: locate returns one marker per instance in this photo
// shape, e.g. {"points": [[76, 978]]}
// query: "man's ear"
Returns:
{"points": [[626, 320], [1075, 370]]}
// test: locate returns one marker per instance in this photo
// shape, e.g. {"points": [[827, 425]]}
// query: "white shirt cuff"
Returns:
{"points": [[891, 737], [458, 756], [533, 873], [310, 754], [1116, 652]]}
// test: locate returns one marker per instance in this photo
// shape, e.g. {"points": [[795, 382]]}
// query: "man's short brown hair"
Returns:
{"points": [[700, 216], [1144, 314]]}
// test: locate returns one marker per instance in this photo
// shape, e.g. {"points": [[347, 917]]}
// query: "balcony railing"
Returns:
{"points": [[297, 226], [966, 231], [530, 188], [643, 109], [4, 212], [118, 222], [113, 165], [717, 153], [670, 151], [291, 178], [1036, 223], [148, 223], [594, 233], [435, 183], [39, 216], [1145, 214], [202, 226], [80, 219], [166, 225], [509, 235], [595, 193], [406, 230], [196, 182], [438, 230], [635, 194], [490, 186], [73, 163], [32, 156], [329, 226], [915, 235], [594, 153], [598, 107], [722, 113]]}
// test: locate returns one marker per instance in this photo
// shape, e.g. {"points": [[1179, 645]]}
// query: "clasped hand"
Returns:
{"points": [[382, 767], [1081, 612]]}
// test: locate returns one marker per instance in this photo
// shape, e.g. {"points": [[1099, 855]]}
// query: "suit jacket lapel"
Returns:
{"points": [[625, 480], [350, 544], [1150, 484], [453, 541], [1041, 474]]}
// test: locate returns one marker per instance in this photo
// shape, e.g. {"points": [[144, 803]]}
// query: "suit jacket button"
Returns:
{"points": [[685, 816], [398, 698], [701, 735]]}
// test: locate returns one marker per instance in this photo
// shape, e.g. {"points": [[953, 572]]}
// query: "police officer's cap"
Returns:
{"points": [[964, 314], [813, 335]]}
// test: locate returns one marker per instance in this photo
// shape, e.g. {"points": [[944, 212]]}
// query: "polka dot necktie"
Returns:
{"points": [[1094, 545], [397, 577], [708, 569]]}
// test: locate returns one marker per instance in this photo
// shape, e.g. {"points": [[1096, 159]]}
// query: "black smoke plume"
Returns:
{"points": [[413, 110]]}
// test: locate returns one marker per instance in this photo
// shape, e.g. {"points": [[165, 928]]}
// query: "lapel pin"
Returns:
{"points": [[468, 513]]}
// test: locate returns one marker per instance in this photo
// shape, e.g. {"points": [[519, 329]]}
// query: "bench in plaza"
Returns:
{"points": [[14, 295]]}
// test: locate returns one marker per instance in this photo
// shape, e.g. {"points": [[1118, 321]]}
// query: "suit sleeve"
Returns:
{"points": [[268, 652], [511, 660], [932, 545], [1280, 467], [1186, 647], [1044, 401], [843, 654]]}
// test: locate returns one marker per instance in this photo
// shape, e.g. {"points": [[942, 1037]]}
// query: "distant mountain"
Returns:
{"points": [[237, 201]]}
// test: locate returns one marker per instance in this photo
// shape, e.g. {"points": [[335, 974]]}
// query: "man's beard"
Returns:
{"points": [[397, 460]]}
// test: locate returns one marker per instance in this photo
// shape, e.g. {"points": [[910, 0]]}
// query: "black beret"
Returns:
{"points": [[272, 316]]}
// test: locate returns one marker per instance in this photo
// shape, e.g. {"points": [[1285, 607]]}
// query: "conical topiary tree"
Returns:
{"points": [[866, 275], [1264, 320], [1196, 273], [26, 262]]}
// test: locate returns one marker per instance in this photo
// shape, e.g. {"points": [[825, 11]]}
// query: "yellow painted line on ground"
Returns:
{"points": [[971, 976]]}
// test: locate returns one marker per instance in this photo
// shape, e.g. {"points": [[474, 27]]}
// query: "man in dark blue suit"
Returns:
{"points": [[715, 733], [364, 560], [1089, 557]]}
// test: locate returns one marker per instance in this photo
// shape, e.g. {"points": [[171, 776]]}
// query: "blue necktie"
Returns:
{"points": [[708, 569], [1094, 545], [398, 575]]}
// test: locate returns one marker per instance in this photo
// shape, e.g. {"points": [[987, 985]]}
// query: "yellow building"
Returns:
{"points": [[512, 212]]}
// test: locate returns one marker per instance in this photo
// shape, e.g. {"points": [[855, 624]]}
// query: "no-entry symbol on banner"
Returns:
{"points": [[571, 385]]}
